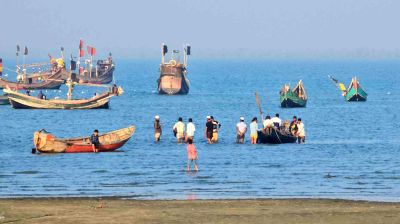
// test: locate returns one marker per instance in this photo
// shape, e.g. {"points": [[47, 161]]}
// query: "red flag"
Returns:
{"points": [[89, 50], [81, 52], [93, 51], [80, 44], [1, 66], [80, 70]]}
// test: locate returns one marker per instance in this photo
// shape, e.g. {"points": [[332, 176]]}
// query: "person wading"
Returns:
{"points": [[216, 126], [254, 131], [301, 133], [179, 129], [94, 139], [241, 129], [190, 129], [157, 128], [209, 130]]}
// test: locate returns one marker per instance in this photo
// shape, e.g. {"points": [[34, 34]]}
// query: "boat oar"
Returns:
{"points": [[259, 107]]}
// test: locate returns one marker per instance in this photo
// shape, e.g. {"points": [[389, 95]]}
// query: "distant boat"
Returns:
{"points": [[173, 75], [48, 80], [293, 98], [45, 142], [354, 92], [23, 101], [102, 73], [4, 100], [275, 136]]}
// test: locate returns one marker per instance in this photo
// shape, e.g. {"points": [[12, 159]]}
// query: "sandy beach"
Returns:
{"points": [[114, 210]]}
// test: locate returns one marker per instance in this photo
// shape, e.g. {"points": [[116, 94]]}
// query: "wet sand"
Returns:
{"points": [[114, 210]]}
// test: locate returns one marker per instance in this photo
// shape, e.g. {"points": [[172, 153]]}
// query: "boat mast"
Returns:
{"points": [[17, 54], [164, 50], [25, 53]]}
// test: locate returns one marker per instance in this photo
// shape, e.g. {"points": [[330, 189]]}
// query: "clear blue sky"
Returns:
{"points": [[266, 28]]}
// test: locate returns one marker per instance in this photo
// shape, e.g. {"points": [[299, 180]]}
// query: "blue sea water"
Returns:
{"points": [[351, 150]]}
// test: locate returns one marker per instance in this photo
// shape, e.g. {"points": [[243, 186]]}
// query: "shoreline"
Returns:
{"points": [[120, 210]]}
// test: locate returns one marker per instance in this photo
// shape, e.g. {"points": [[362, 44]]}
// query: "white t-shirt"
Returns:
{"points": [[301, 132], [180, 127], [277, 120], [268, 123], [241, 126], [190, 129]]}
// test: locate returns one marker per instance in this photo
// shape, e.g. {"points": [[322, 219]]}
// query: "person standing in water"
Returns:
{"points": [[241, 129], [179, 129], [157, 128], [94, 139], [192, 155], [301, 133], [209, 130], [216, 126], [190, 129], [254, 131]]}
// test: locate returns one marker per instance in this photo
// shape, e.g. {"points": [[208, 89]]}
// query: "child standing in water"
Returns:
{"points": [[192, 155]]}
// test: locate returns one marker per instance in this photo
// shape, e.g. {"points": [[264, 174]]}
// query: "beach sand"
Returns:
{"points": [[115, 210]]}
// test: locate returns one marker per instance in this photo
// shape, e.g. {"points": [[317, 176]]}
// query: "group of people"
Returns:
{"points": [[184, 133], [294, 128]]}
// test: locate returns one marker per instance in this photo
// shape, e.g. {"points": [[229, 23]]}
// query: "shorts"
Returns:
{"points": [[96, 145], [157, 135], [215, 137], [179, 135], [209, 135], [254, 136]]}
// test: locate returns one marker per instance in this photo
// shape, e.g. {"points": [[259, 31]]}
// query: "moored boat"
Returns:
{"points": [[293, 98], [354, 93], [173, 75], [45, 142], [4, 100], [23, 101], [274, 136]]}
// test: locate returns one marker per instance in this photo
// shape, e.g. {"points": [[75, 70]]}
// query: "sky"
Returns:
{"points": [[214, 28]]}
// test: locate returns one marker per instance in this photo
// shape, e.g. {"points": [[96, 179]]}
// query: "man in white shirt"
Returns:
{"points": [[277, 121], [241, 129], [301, 133], [190, 129], [268, 122], [179, 130]]}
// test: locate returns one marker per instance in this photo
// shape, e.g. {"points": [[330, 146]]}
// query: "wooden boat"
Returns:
{"points": [[23, 101], [4, 100], [45, 142], [354, 92], [293, 98], [101, 74], [50, 80], [173, 75], [275, 136]]}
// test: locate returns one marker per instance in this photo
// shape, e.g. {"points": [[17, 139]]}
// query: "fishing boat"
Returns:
{"points": [[22, 101], [4, 100], [275, 136], [354, 93], [173, 74], [100, 73], [293, 98], [46, 142]]}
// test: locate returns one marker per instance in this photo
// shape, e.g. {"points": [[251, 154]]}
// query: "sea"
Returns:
{"points": [[352, 149]]}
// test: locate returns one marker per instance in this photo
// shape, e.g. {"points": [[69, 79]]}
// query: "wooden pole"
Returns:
{"points": [[162, 53], [259, 107]]}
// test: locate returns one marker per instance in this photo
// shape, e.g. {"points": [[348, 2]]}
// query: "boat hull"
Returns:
{"points": [[21, 101], [356, 95], [4, 100], [290, 100], [173, 81], [102, 77], [50, 81], [273, 136], [45, 142]]}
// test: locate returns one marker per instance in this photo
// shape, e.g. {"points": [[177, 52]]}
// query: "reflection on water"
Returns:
{"points": [[351, 151]]}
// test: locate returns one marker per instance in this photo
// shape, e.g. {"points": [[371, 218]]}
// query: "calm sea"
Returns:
{"points": [[352, 149]]}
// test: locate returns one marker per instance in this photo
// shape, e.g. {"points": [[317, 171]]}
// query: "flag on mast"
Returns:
{"points": [[18, 49], [81, 51], [26, 51], [1, 66]]}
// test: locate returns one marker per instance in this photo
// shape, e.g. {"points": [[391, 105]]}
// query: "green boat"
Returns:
{"points": [[293, 98], [4, 100], [355, 92]]}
